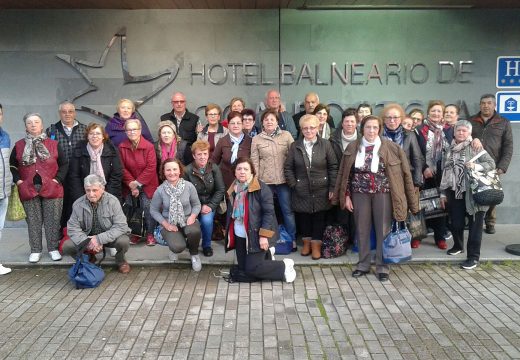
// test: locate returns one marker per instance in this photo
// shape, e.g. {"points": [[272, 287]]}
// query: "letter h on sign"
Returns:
{"points": [[508, 71]]}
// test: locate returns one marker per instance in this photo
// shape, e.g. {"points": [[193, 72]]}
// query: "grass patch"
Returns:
{"points": [[320, 306]]}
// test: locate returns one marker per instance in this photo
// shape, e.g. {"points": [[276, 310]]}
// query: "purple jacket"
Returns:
{"points": [[116, 130]]}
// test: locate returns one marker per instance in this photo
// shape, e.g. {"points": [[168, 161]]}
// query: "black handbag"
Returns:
{"points": [[417, 225], [485, 186], [430, 203], [134, 216]]}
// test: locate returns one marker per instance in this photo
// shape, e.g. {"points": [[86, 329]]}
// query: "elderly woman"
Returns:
{"points": [[208, 181], [268, 152], [39, 167], [417, 116], [169, 144], [363, 109], [434, 141], [213, 131], [310, 171], [322, 111], [234, 145], [346, 134], [248, 122], [139, 174], [392, 115], [375, 183], [457, 196], [95, 155], [115, 127], [237, 104], [175, 206], [251, 226]]}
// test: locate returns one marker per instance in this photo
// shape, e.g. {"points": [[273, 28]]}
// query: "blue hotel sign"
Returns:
{"points": [[508, 104], [508, 72]]}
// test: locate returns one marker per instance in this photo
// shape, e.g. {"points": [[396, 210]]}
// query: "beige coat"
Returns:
{"points": [[269, 154], [397, 167]]}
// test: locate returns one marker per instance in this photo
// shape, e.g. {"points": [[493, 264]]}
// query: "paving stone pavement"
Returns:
{"points": [[424, 312]]}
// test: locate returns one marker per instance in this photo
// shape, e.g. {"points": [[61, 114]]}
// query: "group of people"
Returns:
{"points": [[362, 172]]}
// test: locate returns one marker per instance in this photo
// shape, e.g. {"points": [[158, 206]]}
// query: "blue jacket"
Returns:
{"points": [[6, 178]]}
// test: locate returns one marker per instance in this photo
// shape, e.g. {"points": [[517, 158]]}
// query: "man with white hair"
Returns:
{"points": [[272, 102], [98, 220]]}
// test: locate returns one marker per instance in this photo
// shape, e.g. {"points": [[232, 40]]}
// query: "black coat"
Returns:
{"points": [[415, 156], [79, 168], [311, 182], [210, 185], [335, 141]]}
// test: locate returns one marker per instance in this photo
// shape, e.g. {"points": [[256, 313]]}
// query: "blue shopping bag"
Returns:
{"points": [[85, 274], [284, 243], [397, 247]]}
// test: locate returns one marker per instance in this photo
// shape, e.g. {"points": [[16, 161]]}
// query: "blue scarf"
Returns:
{"points": [[397, 135]]}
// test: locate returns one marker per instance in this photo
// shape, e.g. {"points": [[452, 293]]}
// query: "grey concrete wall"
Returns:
{"points": [[33, 79]]}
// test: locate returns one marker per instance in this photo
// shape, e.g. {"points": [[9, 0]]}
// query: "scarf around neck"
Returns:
{"points": [[436, 142], [345, 140], [168, 151], [95, 160], [176, 211], [396, 136], [239, 203], [236, 144], [360, 157], [34, 148], [274, 133], [453, 173]]}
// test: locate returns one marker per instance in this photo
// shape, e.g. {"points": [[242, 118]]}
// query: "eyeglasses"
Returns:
{"points": [[132, 130], [394, 118], [93, 134], [212, 115], [309, 128], [178, 101]]}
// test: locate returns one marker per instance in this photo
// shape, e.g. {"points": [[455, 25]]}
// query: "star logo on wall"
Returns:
{"points": [[79, 64]]}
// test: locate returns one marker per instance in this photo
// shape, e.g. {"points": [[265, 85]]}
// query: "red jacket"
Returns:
{"points": [[47, 169], [139, 164]]}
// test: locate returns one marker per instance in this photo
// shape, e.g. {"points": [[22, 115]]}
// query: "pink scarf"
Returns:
{"points": [[168, 153]]}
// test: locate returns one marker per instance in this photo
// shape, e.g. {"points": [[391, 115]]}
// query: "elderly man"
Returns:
{"points": [[451, 115], [496, 136], [185, 121], [68, 132], [98, 220], [272, 102], [311, 100]]}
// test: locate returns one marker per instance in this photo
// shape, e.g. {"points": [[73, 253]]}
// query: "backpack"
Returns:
{"points": [[237, 275], [334, 242]]}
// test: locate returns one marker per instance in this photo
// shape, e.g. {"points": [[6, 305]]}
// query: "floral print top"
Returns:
{"points": [[364, 181]]}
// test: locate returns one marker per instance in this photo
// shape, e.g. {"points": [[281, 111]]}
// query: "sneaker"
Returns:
{"points": [[196, 265], [4, 270], [55, 255], [454, 251], [469, 264], [207, 251], [150, 240], [448, 235], [173, 256], [112, 251], [272, 250], [289, 273], [35, 257], [441, 244], [416, 243], [134, 239]]}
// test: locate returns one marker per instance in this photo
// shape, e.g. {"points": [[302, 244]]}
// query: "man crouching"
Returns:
{"points": [[98, 220]]}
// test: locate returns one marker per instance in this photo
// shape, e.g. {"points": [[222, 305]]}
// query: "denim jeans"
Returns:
{"points": [[3, 211], [206, 226], [283, 193]]}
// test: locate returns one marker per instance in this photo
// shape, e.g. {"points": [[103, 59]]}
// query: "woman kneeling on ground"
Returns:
{"points": [[251, 224]]}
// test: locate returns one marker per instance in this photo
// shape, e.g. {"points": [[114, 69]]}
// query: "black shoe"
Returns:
{"points": [[207, 251], [454, 251], [383, 277], [490, 229], [469, 264], [359, 273]]}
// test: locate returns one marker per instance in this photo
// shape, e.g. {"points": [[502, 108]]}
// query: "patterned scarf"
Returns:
{"points": [[397, 135], [325, 131], [95, 160], [176, 212], [239, 204], [34, 148], [436, 143], [274, 133], [236, 144], [454, 168], [360, 157], [168, 151]]}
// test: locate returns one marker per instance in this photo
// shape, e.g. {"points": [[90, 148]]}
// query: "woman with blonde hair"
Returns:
{"points": [[213, 131], [115, 127]]}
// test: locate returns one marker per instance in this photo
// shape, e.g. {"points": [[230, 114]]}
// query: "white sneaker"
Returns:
{"points": [[35, 257], [196, 265], [173, 256], [4, 270], [290, 273], [55, 255], [272, 250], [112, 251]]}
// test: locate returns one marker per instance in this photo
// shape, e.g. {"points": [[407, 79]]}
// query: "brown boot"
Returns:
{"points": [[306, 250], [316, 249]]}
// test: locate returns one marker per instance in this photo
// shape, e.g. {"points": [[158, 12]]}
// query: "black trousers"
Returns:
{"points": [[259, 264], [311, 225], [457, 213]]}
